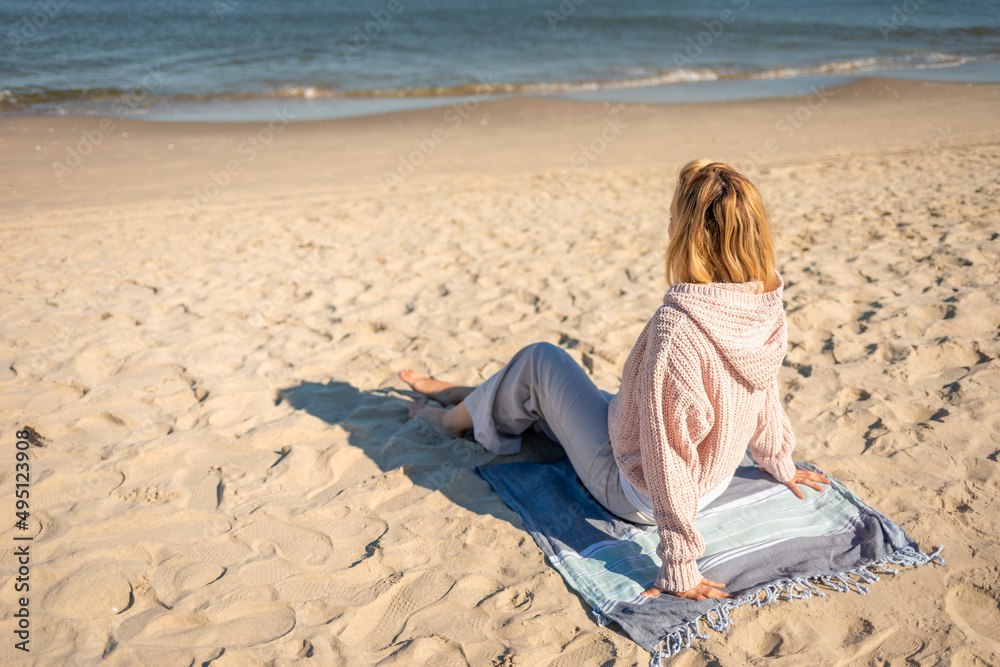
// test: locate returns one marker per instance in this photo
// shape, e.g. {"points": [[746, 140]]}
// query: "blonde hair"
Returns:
{"points": [[721, 231]]}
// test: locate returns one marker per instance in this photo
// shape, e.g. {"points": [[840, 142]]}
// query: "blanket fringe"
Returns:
{"points": [[799, 589], [601, 617]]}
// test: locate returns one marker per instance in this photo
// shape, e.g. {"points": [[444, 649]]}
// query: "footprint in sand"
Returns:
{"points": [[205, 489], [225, 550], [196, 575], [94, 590], [895, 647], [294, 543], [404, 500], [347, 467], [787, 638], [266, 572], [588, 649], [345, 588], [976, 609], [351, 527], [433, 650], [231, 410], [454, 615], [43, 398], [60, 487], [931, 360], [376, 626], [178, 575], [231, 623]]}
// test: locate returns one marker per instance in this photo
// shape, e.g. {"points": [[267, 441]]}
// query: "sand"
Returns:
{"points": [[226, 474]]}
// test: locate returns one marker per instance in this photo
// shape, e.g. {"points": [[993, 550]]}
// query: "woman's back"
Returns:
{"points": [[719, 348], [700, 385]]}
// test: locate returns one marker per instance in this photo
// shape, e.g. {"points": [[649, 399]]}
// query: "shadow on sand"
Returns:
{"points": [[377, 424]]}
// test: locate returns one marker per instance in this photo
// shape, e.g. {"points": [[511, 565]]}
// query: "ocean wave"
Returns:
{"points": [[104, 99], [921, 60], [100, 97]]}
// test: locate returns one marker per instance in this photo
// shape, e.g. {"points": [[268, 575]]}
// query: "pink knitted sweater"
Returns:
{"points": [[698, 388]]}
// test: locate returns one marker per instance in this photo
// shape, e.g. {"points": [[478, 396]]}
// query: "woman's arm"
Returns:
{"points": [[772, 447], [773, 442], [670, 426]]}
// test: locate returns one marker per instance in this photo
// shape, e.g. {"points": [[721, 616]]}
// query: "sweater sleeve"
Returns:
{"points": [[774, 441], [669, 429]]}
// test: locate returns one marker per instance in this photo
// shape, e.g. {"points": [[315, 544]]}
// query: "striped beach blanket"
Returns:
{"points": [[760, 540]]}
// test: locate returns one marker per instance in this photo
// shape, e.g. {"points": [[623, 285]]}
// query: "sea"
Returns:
{"points": [[198, 60]]}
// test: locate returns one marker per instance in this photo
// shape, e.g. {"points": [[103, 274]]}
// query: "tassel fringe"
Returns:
{"points": [[796, 589]]}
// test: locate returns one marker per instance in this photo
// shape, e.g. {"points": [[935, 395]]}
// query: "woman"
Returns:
{"points": [[699, 387]]}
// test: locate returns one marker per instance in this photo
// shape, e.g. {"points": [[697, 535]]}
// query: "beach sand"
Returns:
{"points": [[207, 344]]}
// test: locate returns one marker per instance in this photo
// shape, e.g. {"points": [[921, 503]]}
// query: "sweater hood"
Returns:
{"points": [[746, 326]]}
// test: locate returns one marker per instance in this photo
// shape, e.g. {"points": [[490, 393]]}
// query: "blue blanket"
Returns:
{"points": [[761, 540]]}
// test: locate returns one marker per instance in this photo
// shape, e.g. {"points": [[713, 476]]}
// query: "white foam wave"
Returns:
{"points": [[920, 60]]}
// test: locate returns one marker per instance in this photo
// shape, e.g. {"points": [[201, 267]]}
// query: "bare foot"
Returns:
{"points": [[427, 386], [435, 418], [445, 393]]}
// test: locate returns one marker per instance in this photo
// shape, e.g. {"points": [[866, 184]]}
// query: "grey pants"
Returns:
{"points": [[542, 387]]}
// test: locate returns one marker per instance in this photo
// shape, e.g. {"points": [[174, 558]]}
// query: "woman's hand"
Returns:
{"points": [[807, 477], [703, 591]]}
